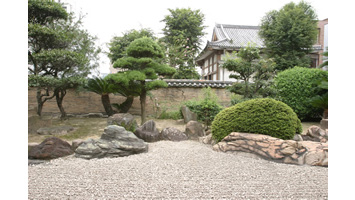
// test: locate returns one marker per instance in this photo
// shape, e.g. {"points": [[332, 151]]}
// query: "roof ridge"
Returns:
{"points": [[237, 26]]}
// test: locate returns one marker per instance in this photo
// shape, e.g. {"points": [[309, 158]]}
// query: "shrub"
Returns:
{"points": [[263, 116], [297, 86], [171, 115], [206, 108]]}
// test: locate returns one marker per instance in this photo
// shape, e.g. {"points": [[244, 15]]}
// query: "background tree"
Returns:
{"points": [[289, 34], [59, 52], [144, 66], [118, 44], [252, 72], [183, 30]]}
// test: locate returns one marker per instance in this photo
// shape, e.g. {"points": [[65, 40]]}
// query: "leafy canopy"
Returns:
{"points": [[253, 73], [289, 34]]}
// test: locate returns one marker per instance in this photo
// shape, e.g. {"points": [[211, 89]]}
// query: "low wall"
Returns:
{"points": [[169, 99]]}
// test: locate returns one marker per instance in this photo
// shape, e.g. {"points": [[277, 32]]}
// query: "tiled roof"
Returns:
{"points": [[236, 36], [197, 83]]}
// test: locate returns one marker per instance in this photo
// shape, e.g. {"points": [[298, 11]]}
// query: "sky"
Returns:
{"points": [[108, 18]]}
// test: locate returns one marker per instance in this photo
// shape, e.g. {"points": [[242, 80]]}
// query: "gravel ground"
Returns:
{"points": [[176, 170]]}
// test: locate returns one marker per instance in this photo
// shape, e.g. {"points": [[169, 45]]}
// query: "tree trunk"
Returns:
{"points": [[142, 99], [105, 99], [41, 102], [59, 95], [127, 104]]}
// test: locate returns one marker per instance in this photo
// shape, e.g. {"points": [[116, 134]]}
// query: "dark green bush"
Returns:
{"points": [[296, 87], [263, 116]]}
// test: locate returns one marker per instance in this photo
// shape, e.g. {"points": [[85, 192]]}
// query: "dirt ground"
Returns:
{"points": [[85, 128]]}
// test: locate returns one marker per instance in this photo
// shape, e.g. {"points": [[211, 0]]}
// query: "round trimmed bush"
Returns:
{"points": [[262, 116], [297, 86]]}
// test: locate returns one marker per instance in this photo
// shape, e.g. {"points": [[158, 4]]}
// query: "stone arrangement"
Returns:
{"points": [[194, 130], [50, 148], [286, 151], [59, 130], [172, 134], [148, 132], [187, 114], [116, 141]]}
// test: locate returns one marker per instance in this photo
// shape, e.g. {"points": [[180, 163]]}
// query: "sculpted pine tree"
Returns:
{"points": [[60, 53], [144, 65]]}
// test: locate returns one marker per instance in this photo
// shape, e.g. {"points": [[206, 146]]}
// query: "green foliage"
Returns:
{"points": [[45, 11], [297, 86], [182, 33], [171, 115], [206, 108], [186, 23], [144, 64], [60, 53], [118, 45], [289, 34], [252, 72], [100, 86], [262, 116]]}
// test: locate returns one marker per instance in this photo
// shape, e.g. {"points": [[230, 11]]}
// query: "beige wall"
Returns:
{"points": [[169, 99]]}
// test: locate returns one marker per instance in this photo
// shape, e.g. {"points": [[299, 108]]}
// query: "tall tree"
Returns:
{"points": [[251, 70], [289, 34], [184, 25], [60, 52], [144, 65]]}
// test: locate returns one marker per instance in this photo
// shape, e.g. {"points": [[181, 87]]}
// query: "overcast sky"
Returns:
{"points": [[108, 18]]}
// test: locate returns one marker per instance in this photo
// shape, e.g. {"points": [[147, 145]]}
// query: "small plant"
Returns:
{"points": [[206, 108], [171, 115]]}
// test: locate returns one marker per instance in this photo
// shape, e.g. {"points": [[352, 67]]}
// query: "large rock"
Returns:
{"points": [[125, 120], [194, 130], [173, 134], [148, 132], [59, 130], [116, 141], [207, 139], [286, 151], [50, 148], [188, 115]]}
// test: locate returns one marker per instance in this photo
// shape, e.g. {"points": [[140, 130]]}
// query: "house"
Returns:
{"points": [[229, 38]]}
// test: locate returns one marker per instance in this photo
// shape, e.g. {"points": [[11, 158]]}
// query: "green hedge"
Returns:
{"points": [[263, 116], [297, 86]]}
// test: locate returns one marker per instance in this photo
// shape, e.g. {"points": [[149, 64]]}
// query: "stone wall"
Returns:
{"points": [[169, 99]]}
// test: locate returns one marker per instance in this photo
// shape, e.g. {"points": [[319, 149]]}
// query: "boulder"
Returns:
{"points": [[125, 120], [324, 124], [76, 143], [172, 134], [116, 141], [194, 130], [59, 130], [188, 115], [50, 148], [207, 139], [297, 137], [148, 132]]}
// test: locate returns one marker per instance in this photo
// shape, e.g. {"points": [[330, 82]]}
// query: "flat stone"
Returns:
{"points": [[59, 130]]}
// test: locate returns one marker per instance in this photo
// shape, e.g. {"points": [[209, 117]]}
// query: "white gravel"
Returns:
{"points": [[176, 170]]}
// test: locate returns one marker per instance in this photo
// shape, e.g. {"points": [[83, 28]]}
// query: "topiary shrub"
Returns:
{"points": [[263, 116], [296, 87]]}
